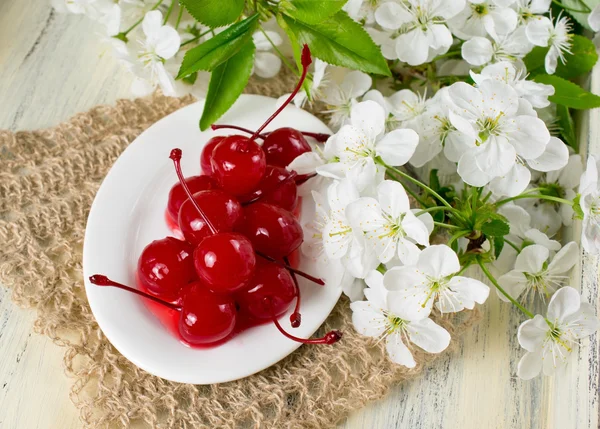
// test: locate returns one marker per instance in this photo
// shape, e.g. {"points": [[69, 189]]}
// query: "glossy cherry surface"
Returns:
{"points": [[225, 262], [283, 145], [206, 155], [238, 164], [177, 195], [223, 211], [165, 266], [269, 280], [271, 229], [278, 187], [206, 317]]}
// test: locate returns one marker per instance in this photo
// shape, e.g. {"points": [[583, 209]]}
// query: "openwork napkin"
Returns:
{"points": [[48, 179]]}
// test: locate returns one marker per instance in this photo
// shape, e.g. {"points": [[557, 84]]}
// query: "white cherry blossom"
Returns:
{"points": [[341, 240], [340, 98], [389, 226], [482, 17], [496, 132], [148, 63], [541, 32], [594, 23], [521, 235], [266, 63], [421, 23], [332, 271], [554, 158], [535, 273], [589, 189], [414, 289], [478, 50], [357, 144], [373, 318], [535, 93], [530, 9], [549, 341]]}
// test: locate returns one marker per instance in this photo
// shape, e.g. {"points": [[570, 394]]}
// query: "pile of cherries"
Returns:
{"points": [[232, 270]]}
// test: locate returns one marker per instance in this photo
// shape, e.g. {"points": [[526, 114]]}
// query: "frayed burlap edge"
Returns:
{"points": [[48, 180]]}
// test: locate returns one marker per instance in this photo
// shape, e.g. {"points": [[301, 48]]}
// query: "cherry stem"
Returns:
{"points": [[235, 127], [304, 178], [176, 157], [329, 338], [292, 269], [306, 61], [320, 137], [295, 317], [100, 280], [259, 193]]}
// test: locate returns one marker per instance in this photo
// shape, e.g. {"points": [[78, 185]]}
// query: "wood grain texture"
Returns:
{"points": [[53, 66]]}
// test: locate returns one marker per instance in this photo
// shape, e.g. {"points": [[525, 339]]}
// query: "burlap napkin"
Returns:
{"points": [[48, 179]]}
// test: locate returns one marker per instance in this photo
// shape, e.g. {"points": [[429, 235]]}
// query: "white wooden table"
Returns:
{"points": [[52, 66]]}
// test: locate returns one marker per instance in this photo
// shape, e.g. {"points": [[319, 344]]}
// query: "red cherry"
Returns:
{"points": [[223, 211], [165, 266], [269, 280], [177, 195], [206, 317], [206, 155], [278, 187], [238, 164], [283, 145], [225, 262], [271, 229]]}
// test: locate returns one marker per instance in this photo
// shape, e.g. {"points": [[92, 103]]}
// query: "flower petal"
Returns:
{"points": [[538, 31], [531, 136], [428, 335], [391, 16], [555, 156], [266, 64], [355, 84], [532, 333], [531, 259], [397, 350], [530, 365], [565, 302], [565, 259], [470, 290], [477, 51], [392, 198], [413, 47], [369, 117], [438, 261], [514, 283], [367, 319], [397, 147]]}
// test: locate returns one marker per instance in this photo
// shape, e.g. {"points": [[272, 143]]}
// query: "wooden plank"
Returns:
{"points": [[53, 67]]}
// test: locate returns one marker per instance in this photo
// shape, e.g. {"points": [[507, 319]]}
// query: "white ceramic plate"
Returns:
{"points": [[129, 212]]}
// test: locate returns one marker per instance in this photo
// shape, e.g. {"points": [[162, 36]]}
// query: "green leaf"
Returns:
{"points": [[581, 60], [498, 245], [227, 82], [191, 79], [581, 18], [218, 49], [495, 228], [534, 61], [214, 13], [569, 94], [577, 207], [311, 11], [567, 127], [337, 40]]}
